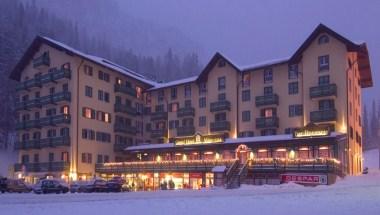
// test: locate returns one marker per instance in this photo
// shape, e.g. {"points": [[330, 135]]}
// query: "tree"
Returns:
{"points": [[374, 121]]}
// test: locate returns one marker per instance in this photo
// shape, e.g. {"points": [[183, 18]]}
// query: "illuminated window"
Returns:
{"points": [[118, 81], [107, 117], [324, 62], [65, 109], [246, 80], [139, 93], [88, 113], [174, 107]]}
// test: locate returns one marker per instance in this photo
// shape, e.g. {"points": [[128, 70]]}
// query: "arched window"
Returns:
{"points": [[323, 39]]}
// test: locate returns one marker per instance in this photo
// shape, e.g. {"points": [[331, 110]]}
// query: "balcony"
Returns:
{"points": [[128, 129], [186, 131], [323, 115], [159, 133], [323, 90], [267, 100], [59, 166], [220, 126], [52, 76], [42, 61], [43, 143], [46, 121], [126, 90], [220, 106], [186, 111], [120, 108], [267, 122], [38, 102], [159, 116]]}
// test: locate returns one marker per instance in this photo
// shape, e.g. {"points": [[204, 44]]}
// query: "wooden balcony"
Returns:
{"points": [[186, 112], [323, 115], [267, 122], [155, 116], [42, 61], [220, 106], [59, 166], [128, 129], [220, 126], [121, 108], [267, 100], [43, 143], [323, 91], [126, 90]]}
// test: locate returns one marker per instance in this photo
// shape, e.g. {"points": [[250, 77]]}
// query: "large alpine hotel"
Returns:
{"points": [[294, 119]]}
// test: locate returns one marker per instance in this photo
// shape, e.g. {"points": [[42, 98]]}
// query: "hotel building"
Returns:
{"points": [[81, 115]]}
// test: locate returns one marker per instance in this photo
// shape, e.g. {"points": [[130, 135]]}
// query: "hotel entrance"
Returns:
{"points": [[242, 153]]}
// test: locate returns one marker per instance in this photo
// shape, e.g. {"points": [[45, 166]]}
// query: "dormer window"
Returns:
{"points": [[323, 39]]}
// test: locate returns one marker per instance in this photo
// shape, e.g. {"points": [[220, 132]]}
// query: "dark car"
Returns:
{"points": [[17, 186], [78, 187], [50, 186], [96, 185], [3, 185], [114, 186]]}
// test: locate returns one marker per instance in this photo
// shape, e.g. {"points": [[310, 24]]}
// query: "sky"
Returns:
{"points": [[251, 31]]}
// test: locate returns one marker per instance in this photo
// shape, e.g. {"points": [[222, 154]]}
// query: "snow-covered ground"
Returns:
{"points": [[352, 195]]}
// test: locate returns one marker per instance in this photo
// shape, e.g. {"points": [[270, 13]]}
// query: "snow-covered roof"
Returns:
{"points": [[264, 64], [104, 62], [219, 169], [174, 83]]}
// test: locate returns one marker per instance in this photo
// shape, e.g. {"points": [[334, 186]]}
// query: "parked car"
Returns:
{"points": [[78, 187], [96, 185], [50, 186], [3, 185], [17, 186], [114, 186]]}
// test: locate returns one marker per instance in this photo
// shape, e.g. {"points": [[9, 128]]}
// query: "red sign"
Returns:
{"points": [[195, 175], [304, 179]]}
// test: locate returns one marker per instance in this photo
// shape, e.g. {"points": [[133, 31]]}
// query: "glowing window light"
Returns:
{"points": [[323, 147], [292, 154], [209, 153], [262, 150], [281, 150], [304, 149]]}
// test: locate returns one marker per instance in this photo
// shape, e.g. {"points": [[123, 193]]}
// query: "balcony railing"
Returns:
{"points": [[52, 76], [159, 133], [159, 116], [323, 90], [220, 106], [43, 60], [38, 102], [220, 126], [323, 115], [121, 108], [163, 166], [46, 121], [267, 100], [267, 122], [59, 166], [43, 143], [186, 111], [126, 90], [186, 131], [128, 129]]}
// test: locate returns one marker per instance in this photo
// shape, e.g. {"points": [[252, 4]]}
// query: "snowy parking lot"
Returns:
{"points": [[353, 195]]}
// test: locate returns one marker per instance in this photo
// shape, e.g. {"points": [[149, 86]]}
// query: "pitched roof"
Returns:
{"points": [[39, 40], [174, 83]]}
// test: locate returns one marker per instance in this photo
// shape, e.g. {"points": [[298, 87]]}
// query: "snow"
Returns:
{"points": [[371, 159], [150, 146], [264, 64], [219, 169], [174, 83], [104, 62]]}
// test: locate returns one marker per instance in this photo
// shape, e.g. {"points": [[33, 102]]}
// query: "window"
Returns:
{"points": [[202, 88], [65, 87], [171, 124], [103, 137], [246, 134], [202, 121], [293, 88], [88, 113], [221, 96], [106, 159], [36, 135], [25, 159], [323, 39], [202, 102], [268, 132], [221, 63], [268, 75], [295, 110], [99, 159], [88, 91], [173, 107], [88, 134], [103, 76], [246, 82], [37, 95], [246, 116], [36, 158], [36, 115], [51, 157], [246, 95], [187, 91], [293, 71], [351, 133], [323, 80], [268, 91], [327, 104], [86, 158], [173, 93], [159, 108], [88, 70], [268, 112], [323, 63], [118, 81], [290, 130], [51, 112], [52, 90], [139, 93], [64, 132], [51, 133], [188, 103], [161, 95], [103, 96], [221, 83]]}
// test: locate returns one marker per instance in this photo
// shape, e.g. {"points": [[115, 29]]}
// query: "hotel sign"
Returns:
{"points": [[304, 179], [199, 139], [311, 130]]}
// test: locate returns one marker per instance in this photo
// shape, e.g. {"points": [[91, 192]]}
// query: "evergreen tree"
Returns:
{"points": [[374, 121]]}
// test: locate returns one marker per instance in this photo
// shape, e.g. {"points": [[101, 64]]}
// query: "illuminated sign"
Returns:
{"points": [[304, 179], [311, 130], [198, 139]]}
